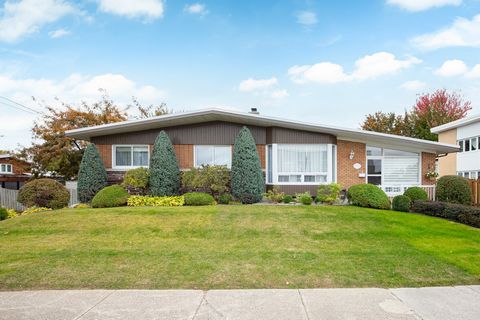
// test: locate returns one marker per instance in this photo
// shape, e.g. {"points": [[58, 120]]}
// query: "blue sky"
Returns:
{"points": [[323, 61]]}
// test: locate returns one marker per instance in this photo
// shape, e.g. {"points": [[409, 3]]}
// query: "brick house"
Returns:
{"points": [[13, 172], [297, 156]]}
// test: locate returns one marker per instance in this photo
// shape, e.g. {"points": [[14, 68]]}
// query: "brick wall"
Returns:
{"points": [[18, 166], [261, 154], [106, 154], [184, 154], [428, 164], [346, 174]]}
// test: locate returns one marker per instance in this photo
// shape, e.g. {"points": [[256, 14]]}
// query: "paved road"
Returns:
{"points": [[409, 303]]}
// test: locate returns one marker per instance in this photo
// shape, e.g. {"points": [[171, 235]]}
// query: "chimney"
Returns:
{"points": [[254, 111]]}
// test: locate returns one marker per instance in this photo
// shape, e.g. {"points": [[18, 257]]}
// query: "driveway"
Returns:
{"points": [[436, 303]]}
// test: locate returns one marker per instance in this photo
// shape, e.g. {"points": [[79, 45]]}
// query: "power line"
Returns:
{"points": [[19, 106]]}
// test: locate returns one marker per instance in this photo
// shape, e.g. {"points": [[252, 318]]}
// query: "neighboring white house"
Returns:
{"points": [[465, 133]]}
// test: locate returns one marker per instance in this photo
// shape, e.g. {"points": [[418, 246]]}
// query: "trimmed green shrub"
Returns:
{"points": [[198, 199], [369, 196], [274, 195], [457, 212], [287, 199], [92, 176], [44, 193], [136, 180], [401, 203], [111, 196], [147, 201], [304, 198], [328, 193], [431, 208], [225, 198], [247, 177], [210, 179], [416, 193], [454, 189], [164, 172], [3, 214]]}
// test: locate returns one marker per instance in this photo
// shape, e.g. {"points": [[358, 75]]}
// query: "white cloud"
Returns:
{"points": [[451, 68], [58, 33], [77, 87], [307, 18], [263, 87], [462, 33], [475, 72], [323, 72], [379, 64], [413, 85], [150, 9], [279, 94], [257, 84], [196, 8], [420, 5], [21, 18], [368, 67]]}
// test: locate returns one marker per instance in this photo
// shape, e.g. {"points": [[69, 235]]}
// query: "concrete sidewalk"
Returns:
{"points": [[410, 303]]}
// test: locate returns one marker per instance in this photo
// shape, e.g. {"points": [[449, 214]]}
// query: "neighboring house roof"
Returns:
{"points": [[208, 115], [456, 124], [5, 156]]}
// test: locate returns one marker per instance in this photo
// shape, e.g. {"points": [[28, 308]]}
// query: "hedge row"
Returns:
{"points": [[465, 214]]}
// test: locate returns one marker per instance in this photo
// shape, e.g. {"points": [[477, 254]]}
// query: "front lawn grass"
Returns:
{"points": [[235, 247]]}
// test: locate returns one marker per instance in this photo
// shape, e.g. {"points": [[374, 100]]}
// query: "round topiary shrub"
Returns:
{"points": [[416, 193], [46, 193], [369, 196], [401, 203], [287, 199], [198, 199], [454, 189], [112, 196]]}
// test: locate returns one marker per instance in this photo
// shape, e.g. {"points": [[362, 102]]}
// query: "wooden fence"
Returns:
{"points": [[8, 199], [475, 186]]}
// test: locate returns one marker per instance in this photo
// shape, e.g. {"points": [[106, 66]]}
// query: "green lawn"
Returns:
{"points": [[235, 247]]}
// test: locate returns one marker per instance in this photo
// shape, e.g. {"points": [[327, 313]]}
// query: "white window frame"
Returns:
{"points": [[382, 157], [114, 156], [7, 165], [229, 165], [331, 173]]}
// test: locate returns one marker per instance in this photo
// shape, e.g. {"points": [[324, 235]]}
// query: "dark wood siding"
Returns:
{"points": [[283, 135], [219, 133]]}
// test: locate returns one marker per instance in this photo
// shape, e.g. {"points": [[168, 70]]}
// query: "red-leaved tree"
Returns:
{"points": [[435, 109]]}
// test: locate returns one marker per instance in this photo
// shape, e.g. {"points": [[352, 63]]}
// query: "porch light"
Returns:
{"points": [[352, 154]]}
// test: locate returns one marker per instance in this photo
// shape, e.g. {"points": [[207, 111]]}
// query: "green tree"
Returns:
{"points": [[247, 177], [92, 176], [164, 177]]}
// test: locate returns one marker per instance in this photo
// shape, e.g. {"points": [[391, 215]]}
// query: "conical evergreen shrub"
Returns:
{"points": [[247, 177], [164, 177], [92, 176]]}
